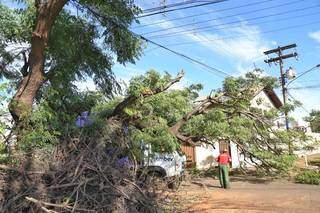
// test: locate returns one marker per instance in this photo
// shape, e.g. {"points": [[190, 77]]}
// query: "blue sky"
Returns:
{"points": [[234, 48], [232, 36]]}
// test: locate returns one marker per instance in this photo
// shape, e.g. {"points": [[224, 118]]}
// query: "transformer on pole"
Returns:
{"points": [[289, 74]]}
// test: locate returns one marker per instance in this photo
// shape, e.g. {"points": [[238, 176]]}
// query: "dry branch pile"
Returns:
{"points": [[82, 177]]}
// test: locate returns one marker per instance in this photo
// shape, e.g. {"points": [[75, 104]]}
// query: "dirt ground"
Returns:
{"points": [[246, 195]]}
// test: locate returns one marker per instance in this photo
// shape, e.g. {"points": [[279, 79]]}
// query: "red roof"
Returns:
{"points": [[273, 97]]}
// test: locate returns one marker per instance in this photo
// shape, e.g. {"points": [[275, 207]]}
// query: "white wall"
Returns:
{"points": [[235, 156], [264, 104], [205, 156]]}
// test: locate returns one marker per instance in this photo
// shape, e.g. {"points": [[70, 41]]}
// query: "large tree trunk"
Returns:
{"points": [[21, 103]]}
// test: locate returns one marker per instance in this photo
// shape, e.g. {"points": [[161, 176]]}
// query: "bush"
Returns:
{"points": [[308, 177]]}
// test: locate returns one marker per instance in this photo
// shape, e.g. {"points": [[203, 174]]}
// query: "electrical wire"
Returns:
{"points": [[305, 87], [244, 36], [303, 73], [202, 14], [169, 6], [223, 24], [239, 25], [298, 101], [181, 8], [207, 67]]}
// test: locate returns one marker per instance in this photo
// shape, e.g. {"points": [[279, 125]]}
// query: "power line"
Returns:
{"points": [[169, 6], [239, 25], [305, 87], [299, 101], [181, 8], [201, 14], [243, 36], [234, 15], [223, 24], [208, 67]]}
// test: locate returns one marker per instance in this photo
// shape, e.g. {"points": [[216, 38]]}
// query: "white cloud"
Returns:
{"points": [[247, 44], [315, 36], [242, 45]]}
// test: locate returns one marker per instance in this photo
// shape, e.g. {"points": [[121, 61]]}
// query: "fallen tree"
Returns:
{"points": [[167, 118], [79, 175]]}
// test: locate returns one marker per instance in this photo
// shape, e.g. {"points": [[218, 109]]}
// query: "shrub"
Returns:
{"points": [[308, 177]]}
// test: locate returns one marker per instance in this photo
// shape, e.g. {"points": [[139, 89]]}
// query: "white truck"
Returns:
{"points": [[167, 166]]}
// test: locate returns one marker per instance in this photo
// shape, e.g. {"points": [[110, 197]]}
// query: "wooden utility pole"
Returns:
{"points": [[283, 77]]}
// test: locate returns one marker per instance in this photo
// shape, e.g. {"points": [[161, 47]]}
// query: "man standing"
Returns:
{"points": [[224, 159]]}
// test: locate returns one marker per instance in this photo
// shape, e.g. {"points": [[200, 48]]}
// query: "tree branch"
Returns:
{"points": [[201, 108], [118, 111]]}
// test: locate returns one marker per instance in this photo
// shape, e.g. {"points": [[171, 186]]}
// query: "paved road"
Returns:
{"points": [[204, 195]]}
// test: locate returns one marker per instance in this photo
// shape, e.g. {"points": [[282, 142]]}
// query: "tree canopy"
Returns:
{"points": [[314, 120], [167, 118], [46, 44]]}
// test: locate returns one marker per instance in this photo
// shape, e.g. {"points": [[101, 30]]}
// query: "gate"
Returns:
{"points": [[189, 151]]}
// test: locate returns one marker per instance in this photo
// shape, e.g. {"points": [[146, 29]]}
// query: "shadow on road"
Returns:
{"points": [[251, 179], [204, 184]]}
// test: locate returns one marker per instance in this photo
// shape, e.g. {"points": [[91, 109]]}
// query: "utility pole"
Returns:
{"points": [[283, 76]]}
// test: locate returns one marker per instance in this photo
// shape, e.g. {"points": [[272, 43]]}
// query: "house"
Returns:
{"points": [[203, 156]]}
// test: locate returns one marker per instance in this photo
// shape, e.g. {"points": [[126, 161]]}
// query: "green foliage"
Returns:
{"points": [[4, 157], [157, 135], [252, 128], [314, 119], [213, 125], [289, 107], [101, 41], [234, 86], [308, 177], [5, 127], [105, 108], [145, 84], [55, 115], [171, 105], [37, 132], [282, 163]]}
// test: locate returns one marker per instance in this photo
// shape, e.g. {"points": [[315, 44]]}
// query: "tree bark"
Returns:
{"points": [[205, 105], [21, 104]]}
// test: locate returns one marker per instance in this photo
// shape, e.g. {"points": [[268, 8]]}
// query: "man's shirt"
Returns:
{"points": [[224, 158]]}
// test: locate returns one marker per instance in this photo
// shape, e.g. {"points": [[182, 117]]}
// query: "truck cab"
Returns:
{"points": [[167, 166]]}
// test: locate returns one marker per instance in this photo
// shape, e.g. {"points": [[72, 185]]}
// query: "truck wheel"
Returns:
{"points": [[154, 183], [175, 183]]}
